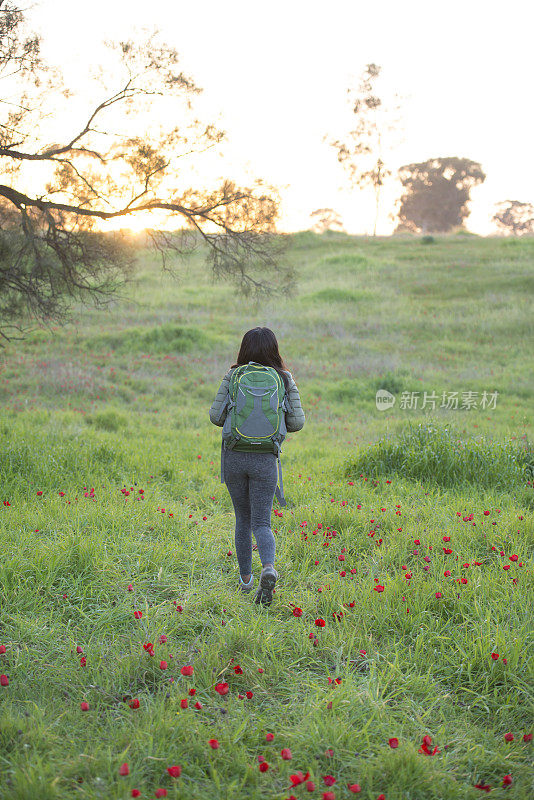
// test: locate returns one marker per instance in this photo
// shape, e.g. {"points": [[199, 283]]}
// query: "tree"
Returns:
{"points": [[362, 152], [437, 193], [112, 160], [326, 219], [514, 217]]}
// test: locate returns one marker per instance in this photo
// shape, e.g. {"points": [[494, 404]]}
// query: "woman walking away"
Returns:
{"points": [[257, 404]]}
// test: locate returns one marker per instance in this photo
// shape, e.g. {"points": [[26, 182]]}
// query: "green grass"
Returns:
{"points": [[117, 402]]}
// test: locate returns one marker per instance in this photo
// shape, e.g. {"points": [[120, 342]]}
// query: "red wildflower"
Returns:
{"points": [[484, 787], [222, 688], [238, 670], [329, 796], [426, 747], [136, 793], [187, 670], [162, 639], [175, 771], [298, 778], [527, 737], [184, 703], [84, 706], [355, 788], [269, 737], [2, 649], [320, 623], [297, 612], [507, 780], [138, 614], [163, 665], [4, 680], [134, 703], [378, 588], [495, 656], [393, 743], [83, 661], [124, 769], [329, 780], [286, 754], [263, 766], [310, 786], [508, 737], [213, 743], [160, 793]]}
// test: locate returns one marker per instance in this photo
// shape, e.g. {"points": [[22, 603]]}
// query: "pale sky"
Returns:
{"points": [[275, 76]]}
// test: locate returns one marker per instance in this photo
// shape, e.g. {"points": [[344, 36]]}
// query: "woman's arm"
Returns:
{"points": [[295, 418], [218, 407]]}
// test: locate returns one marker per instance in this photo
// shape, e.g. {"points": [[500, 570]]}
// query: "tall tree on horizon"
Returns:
{"points": [[363, 150], [437, 193], [112, 157]]}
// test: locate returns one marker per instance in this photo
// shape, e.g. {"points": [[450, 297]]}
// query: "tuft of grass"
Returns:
{"points": [[437, 454]]}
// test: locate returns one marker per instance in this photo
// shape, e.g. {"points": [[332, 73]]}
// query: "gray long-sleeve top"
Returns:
{"points": [[294, 416]]}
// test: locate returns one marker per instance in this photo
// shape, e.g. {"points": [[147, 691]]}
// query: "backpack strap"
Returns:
{"points": [[279, 491]]}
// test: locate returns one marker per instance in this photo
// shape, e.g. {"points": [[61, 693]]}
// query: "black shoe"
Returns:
{"points": [[264, 595]]}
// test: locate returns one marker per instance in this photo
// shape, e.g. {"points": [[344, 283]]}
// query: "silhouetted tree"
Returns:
{"points": [[514, 217], [326, 219], [115, 159], [362, 151], [437, 193]]}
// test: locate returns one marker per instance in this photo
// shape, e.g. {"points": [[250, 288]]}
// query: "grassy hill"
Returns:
{"points": [[109, 476]]}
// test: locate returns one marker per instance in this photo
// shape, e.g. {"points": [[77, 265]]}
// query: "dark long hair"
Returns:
{"points": [[260, 344]]}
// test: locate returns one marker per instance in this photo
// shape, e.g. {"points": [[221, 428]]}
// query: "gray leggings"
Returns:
{"points": [[251, 480]]}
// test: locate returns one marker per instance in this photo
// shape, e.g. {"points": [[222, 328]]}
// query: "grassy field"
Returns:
{"points": [[115, 531]]}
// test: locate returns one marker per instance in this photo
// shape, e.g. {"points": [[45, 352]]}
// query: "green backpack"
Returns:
{"points": [[255, 419]]}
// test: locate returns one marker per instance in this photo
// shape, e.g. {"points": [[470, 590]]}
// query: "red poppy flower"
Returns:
{"points": [[238, 670], [163, 665], [508, 737], [162, 639], [138, 614], [222, 688], [426, 747], [286, 754], [297, 612], [320, 623], [84, 706], [495, 656], [507, 780], [263, 766], [378, 588], [329, 796], [187, 670], [160, 793], [269, 737], [4, 680], [484, 787], [355, 788], [527, 737], [310, 786], [329, 780], [299, 778], [439, 595], [83, 661], [124, 769], [184, 703], [134, 703], [381, 797], [213, 743], [393, 743], [175, 771], [136, 793]]}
